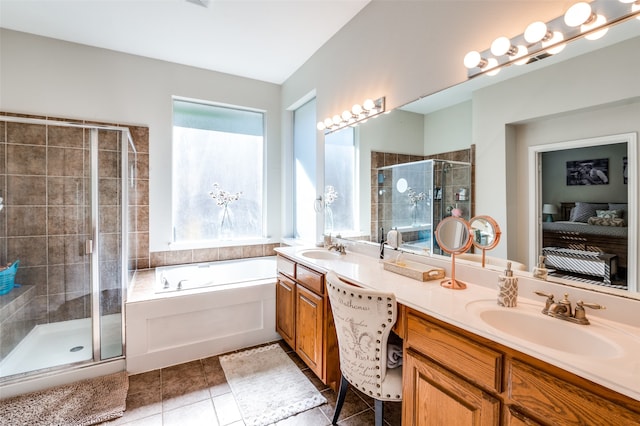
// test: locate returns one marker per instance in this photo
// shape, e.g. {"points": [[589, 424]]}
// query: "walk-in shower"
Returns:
{"points": [[66, 189]]}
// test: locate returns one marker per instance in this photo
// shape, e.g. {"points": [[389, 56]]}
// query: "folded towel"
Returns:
{"points": [[394, 355]]}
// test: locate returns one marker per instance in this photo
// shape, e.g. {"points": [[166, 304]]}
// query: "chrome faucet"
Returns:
{"points": [[563, 310], [338, 247]]}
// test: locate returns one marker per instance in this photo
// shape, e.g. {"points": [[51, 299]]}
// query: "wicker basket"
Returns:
{"points": [[7, 278]]}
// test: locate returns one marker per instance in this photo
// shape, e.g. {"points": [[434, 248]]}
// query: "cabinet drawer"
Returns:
{"points": [[286, 266], [310, 279], [471, 360], [554, 400]]}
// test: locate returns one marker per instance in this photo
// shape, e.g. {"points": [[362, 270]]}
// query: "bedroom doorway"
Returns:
{"points": [[581, 180]]}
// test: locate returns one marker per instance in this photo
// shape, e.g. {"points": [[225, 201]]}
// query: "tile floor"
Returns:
{"points": [[196, 393]]}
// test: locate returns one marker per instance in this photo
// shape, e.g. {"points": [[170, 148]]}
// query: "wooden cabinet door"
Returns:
{"points": [[286, 310], [515, 418], [434, 396], [309, 308]]}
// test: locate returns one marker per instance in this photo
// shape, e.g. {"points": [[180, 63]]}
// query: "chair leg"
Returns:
{"points": [[342, 392], [379, 411]]}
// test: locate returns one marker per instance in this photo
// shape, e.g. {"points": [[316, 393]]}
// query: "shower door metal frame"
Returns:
{"points": [[125, 142]]}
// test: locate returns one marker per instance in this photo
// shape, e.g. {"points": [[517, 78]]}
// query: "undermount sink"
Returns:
{"points": [[527, 322], [321, 254]]}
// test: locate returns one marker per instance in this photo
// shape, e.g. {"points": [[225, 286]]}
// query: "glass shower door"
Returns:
{"points": [[108, 212]]}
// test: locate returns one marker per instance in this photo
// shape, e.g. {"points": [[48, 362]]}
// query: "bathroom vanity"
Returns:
{"points": [[469, 361], [464, 376], [304, 319]]}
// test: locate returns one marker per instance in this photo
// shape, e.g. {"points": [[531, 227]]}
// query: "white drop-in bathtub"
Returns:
{"points": [[220, 307], [214, 274]]}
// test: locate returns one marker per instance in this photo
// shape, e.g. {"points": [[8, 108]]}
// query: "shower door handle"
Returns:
{"points": [[88, 247]]}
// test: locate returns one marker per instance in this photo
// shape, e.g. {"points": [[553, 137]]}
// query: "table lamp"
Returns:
{"points": [[549, 210]]}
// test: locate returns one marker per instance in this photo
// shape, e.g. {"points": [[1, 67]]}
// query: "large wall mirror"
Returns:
{"points": [[530, 106]]}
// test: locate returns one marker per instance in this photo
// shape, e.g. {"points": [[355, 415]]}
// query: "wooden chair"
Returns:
{"points": [[363, 320]]}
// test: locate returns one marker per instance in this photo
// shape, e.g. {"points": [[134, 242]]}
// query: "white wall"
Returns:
{"points": [[448, 129], [54, 78]]}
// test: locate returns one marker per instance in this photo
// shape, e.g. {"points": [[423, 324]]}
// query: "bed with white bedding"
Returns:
{"points": [[598, 227]]}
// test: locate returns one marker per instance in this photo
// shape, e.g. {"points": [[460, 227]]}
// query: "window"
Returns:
{"points": [[305, 172], [218, 163], [340, 180]]}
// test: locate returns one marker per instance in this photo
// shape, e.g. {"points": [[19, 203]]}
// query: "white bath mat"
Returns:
{"points": [[268, 386]]}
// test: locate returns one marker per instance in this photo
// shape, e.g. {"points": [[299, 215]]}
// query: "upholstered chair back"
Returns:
{"points": [[363, 320]]}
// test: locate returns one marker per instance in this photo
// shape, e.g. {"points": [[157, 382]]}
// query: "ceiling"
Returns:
{"points": [[265, 40]]}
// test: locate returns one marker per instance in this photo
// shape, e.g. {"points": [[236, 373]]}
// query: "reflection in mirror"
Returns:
{"points": [[414, 197], [451, 119], [454, 237], [485, 233], [339, 177], [588, 181]]}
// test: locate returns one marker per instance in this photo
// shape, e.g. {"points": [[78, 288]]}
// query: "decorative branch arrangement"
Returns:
{"points": [[223, 198], [415, 197], [330, 195]]}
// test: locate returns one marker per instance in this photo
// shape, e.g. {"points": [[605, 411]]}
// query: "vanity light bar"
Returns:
{"points": [[540, 40], [357, 114]]}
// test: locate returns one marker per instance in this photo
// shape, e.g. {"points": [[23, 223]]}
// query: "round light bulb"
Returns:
{"points": [[598, 22], [356, 109], [578, 14], [500, 46], [557, 38], [535, 32], [473, 60], [521, 53], [328, 122], [321, 125], [491, 63], [337, 119], [368, 105], [346, 115]]}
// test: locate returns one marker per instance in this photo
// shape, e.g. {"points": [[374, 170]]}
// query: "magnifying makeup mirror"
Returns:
{"points": [[453, 235], [485, 234]]}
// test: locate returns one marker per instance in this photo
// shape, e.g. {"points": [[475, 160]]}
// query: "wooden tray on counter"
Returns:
{"points": [[414, 270]]}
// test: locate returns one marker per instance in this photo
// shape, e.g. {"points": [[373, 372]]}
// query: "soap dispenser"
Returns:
{"points": [[540, 271], [508, 288]]}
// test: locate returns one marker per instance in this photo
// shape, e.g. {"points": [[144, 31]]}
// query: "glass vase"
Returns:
{"points": [[414, 214], [328, 220], [226, 223]]}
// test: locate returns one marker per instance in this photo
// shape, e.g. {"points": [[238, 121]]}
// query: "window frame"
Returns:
{"points": [[214, 243]]}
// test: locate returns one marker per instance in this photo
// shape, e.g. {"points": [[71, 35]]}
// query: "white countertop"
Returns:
{"points": [[620, 372]]}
